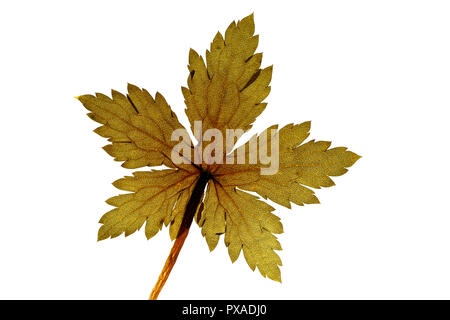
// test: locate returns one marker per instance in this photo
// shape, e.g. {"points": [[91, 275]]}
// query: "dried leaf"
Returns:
{"points": [[138, 126], [226, 92], [154, 196], [301, 166], [249, 226]]}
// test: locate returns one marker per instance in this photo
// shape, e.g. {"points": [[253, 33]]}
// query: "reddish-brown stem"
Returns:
{"points": [[170, 262], [191, 209]]}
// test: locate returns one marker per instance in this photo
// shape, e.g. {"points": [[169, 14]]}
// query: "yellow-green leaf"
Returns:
{"points": [[154, 195], [248, 224], [300, 166], [227, 91], [138, 126]]}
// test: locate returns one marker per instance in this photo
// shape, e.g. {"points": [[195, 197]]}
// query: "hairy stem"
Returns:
{"points": [[191, 209]]}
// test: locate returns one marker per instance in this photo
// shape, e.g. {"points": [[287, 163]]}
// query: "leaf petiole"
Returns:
{"points": [[191, 209]]}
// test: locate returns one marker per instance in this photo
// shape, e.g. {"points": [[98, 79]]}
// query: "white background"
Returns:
{"points": [[371, 75]]}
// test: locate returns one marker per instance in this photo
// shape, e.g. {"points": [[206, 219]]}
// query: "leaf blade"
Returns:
{"points": [[248, 224], [138, 126], [153, 197], [301, 167], [227, 91]]}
